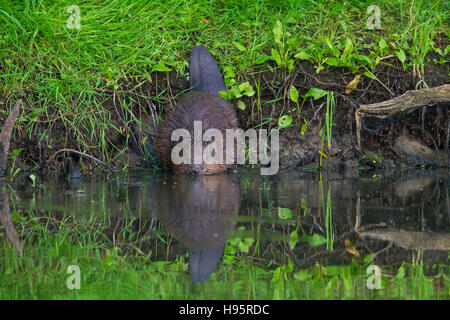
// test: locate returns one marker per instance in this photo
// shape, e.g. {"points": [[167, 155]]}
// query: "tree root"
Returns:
{"points": [[407, 102], [5, 136]]}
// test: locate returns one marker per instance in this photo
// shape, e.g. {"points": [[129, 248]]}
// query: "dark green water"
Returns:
{"points": [[233, 236]]}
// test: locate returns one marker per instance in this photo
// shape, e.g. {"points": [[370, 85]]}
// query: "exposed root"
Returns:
{"points": [[407, 102], [5, 136]]}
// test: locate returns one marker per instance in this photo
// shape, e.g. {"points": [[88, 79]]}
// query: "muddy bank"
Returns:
{"points": [[418, 138]]}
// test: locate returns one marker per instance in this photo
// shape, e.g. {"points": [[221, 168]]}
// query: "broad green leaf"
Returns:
{"points": [[234, 92], [337, 62], [401, 55], [290, 65], [447, 49], [15, 152], [303, 55], [366, 59], [368, 258], [284, 121], [293, 94], [223, 94], [370, 75], [277, 32], [262, 58], [276, 57], [161, 67], [348, 46], [243, 86], [241, 105], [316, 93], [382, 44], [229, 73], [246, 89]]}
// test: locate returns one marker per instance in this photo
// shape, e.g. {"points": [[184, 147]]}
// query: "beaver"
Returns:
{"points": [[204, 104]]}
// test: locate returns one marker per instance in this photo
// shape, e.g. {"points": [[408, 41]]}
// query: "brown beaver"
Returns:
{"points": [[201, 104]]}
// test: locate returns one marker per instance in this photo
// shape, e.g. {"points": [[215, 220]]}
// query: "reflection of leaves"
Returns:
{"points": [[368, 258], [400, 273], [18, 218], [284, 213], [315, 240], [243, 244], [293, 239], [266, 212], [302, 275]]}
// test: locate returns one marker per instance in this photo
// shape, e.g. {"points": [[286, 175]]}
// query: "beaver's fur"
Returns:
{"points": [[213, 111], [201, 104]]}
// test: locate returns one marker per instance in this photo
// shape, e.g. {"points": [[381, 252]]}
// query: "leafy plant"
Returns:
{"points": [[282, 54], [235, 90], [14, 155]]}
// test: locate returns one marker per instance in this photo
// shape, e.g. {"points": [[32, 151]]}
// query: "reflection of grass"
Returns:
{"points": [[125, 269], [326, 207]]}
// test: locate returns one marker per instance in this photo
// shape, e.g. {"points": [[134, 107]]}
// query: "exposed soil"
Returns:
{"points": [[428, 127]]}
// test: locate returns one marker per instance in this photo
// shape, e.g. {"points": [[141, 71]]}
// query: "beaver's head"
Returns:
{"points": [[214, 113]]}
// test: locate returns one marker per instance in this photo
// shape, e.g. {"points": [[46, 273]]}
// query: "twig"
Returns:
{"points": [[82, 154]]}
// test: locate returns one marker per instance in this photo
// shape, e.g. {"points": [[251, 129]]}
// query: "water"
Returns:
{"points": [[297, 235]]}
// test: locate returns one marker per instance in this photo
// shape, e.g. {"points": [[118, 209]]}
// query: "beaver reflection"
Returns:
{"points": [[197, 210]]}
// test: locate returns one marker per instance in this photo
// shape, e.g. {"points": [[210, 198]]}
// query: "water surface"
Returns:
{"points": [[297, 235]]}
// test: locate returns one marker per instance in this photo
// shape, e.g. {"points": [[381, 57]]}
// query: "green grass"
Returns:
{"points": [[122, 43]]}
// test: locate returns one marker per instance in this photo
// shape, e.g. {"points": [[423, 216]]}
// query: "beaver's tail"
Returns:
{"points": [[204, 74]]}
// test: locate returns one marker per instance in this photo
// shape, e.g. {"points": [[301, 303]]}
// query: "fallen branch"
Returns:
{"points": [[5, 136], [407, 102]]}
